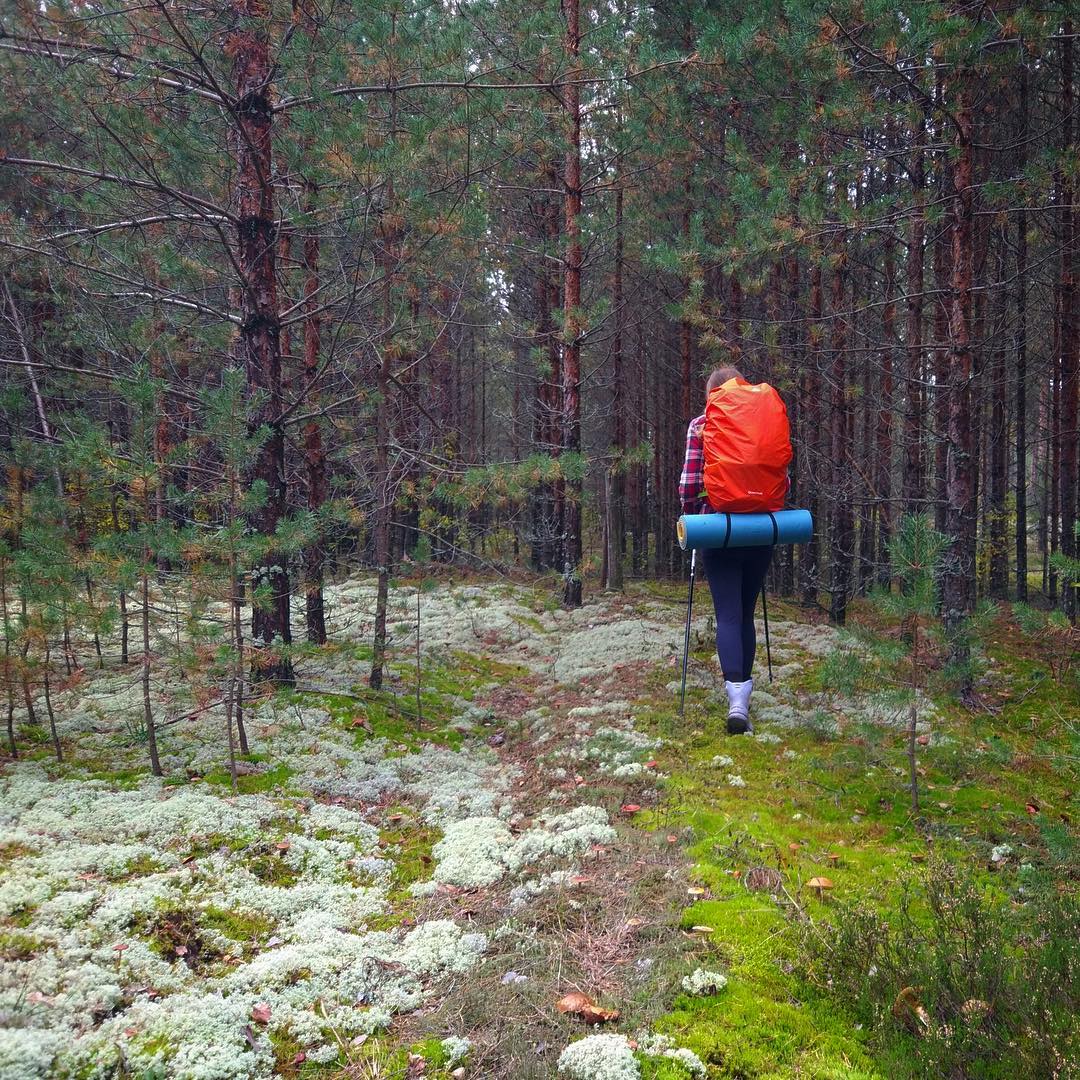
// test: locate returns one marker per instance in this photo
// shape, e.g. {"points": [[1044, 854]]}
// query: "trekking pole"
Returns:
{"points": [[765, 617], [686, 639]]}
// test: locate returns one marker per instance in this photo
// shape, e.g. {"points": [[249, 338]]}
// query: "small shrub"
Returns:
{"points": [[958, 981]]}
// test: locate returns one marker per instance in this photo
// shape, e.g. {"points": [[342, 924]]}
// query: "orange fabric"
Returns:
{"points": [[747, 442]]}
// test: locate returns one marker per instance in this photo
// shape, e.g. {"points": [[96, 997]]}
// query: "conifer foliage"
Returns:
{"points": [[294, 286]]}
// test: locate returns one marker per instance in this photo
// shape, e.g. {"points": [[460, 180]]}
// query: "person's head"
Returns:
{"points": [[719, 376]]}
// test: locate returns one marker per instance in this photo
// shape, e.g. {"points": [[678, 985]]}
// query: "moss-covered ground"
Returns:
{"points": [[832, 802], [720, 839]]}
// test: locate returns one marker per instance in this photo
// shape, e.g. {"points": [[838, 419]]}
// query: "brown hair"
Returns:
{"points": [[719, 376]]}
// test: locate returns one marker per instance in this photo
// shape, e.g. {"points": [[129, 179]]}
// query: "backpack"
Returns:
{"points": [[747, 447]]}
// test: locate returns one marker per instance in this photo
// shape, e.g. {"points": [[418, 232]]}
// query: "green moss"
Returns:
{"points": [[393, 716], [137, 867], [532, 622], [290, 1060], [269, 866], [656, 1068], [843, 800], [10, 851], [408, 845], [240, 926], [254, 782], [123, 779], [16, 945]]}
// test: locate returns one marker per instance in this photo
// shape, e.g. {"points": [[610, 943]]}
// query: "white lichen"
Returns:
{"points": [[600, 1057], [702, 983]]}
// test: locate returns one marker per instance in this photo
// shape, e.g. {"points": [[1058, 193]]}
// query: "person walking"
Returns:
{"points": [[737, 454]]}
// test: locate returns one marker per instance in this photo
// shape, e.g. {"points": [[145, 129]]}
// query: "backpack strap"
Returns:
{"points": [[775, 529], [727, 531]]}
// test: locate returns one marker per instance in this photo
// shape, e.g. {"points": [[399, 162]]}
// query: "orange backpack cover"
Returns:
{"points": [[747, 447]]}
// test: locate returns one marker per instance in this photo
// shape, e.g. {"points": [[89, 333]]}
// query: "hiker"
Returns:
{"points": [[737, 453]]}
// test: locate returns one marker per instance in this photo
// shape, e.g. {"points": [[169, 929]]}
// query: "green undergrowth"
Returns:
{"points": [[830, 801], [252, 783], [396, 715]]}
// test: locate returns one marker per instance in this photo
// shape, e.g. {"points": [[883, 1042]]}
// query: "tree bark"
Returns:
{"points": [[809, 573], [616, 473], [840, 446], [997, 438], [314, 452], [958, 577], [572, 328], [914, 477], [1070, 330], [1021, 361], [260, 327]]}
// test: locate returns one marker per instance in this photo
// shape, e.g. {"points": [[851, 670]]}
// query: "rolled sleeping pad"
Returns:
{"points": [[724, 530]]}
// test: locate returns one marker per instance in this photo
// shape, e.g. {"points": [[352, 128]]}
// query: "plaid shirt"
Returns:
{"points": [[692, 481]]}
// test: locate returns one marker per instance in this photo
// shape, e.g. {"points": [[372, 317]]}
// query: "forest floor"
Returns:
{"points": [[465, 878]]}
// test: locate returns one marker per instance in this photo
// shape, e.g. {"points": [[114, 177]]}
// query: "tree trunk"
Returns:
{"points": [[997, 437], [613, 579], [314, 453], [260, 328], [840, 446], [914, 477], [809, 572], [572, 328], [958, 577], [1021, 361], [1070, 330]]}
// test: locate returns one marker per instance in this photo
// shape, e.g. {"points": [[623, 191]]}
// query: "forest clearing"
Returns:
{"points": [[539, 540]]}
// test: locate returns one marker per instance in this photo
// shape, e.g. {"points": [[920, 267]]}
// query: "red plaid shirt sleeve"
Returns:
{"points": [[692, 481]]}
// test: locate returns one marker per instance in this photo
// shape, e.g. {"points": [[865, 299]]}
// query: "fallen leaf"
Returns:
{"points": [[299, 1057], [260, 1013], [630, 808], [181, 950], [910, 1012], [702, 930], [672, 838], [458, 1073], [635, 921], [695, 890], [923, 740]]}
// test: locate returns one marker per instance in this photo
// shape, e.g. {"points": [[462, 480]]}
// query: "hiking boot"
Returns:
{"points": [[738, 694]]}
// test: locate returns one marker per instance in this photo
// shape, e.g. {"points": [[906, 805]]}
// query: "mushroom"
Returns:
{"points": [[820, 884]]}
